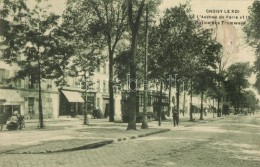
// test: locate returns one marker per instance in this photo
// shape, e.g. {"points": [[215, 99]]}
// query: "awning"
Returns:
{"points": [[73, 97], [10, 97]]}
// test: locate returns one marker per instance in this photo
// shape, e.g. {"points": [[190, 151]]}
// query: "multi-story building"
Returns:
{"points": [[22, 95]]}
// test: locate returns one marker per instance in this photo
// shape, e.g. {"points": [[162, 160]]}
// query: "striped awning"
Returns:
{"points": [[10, 97], [73, 97]]}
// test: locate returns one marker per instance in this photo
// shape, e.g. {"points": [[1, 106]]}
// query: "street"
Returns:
{"points": [[232, 141]]}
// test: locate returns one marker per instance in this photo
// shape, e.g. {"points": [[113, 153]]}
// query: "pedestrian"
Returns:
{"points": [[14, 117], [175, 114], [20, 121], [95, 113]]}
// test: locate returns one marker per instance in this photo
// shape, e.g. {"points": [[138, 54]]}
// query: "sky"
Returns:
{"points": [[231, 37]]}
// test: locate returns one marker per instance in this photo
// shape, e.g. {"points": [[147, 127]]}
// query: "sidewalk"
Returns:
{"points": [[68, 134]]}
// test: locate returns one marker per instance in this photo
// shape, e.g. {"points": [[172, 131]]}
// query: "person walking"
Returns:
{"points": [[175, 114]]}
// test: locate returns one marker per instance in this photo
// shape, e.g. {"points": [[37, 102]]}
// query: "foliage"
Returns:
{"points": [[252, 31], [35, 42], [95, 24], [237, 75], [35, 38], [249, 100]]}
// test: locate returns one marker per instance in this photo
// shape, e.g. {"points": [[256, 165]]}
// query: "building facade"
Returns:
{"points": [[23, 96]]}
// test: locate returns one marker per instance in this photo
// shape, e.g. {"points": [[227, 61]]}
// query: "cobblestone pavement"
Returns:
{"points": [[231, 142]]}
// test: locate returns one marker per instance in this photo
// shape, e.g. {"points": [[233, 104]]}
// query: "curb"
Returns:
{"points": [[84, 147], [88, 146]]}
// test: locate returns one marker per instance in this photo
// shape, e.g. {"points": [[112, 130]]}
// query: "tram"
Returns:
{"points": [[152, 105]]}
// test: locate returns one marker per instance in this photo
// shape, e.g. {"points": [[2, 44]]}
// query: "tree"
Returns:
{"points": [[252, 31], [170, 45], [237, 81], [208, 56], [249, 100], [88, 50], [107, 20], [35, 35], [179, 46], [134, 23]]}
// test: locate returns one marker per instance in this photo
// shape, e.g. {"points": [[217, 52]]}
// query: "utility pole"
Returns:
{"points": [[144, 123]]}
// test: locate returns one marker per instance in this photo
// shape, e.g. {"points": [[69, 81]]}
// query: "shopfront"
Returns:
{"points": [[71, 103], [10, 101]]}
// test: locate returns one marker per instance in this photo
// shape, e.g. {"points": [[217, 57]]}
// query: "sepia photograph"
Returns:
{"points": [[129, 83]]}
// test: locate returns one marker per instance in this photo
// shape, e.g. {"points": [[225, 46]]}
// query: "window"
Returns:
{"points": [[98, 102], [1, 53], [49, 84], [98, 85], [31, 105], [18, 83], [105, 68], [141, 100], [98, 68], [104, 86], [33, 82], [2, 76]]}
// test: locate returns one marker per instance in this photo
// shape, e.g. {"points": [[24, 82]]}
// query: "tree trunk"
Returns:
{"points": [[159, 114], [85, 122], [110, 87], [132, 95], [191, 107], [144, 122], [170, 98], [178, 97], [218, 110], [201, 105], [239, 107], [184, 96], [41, 125], [134, 26]]}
